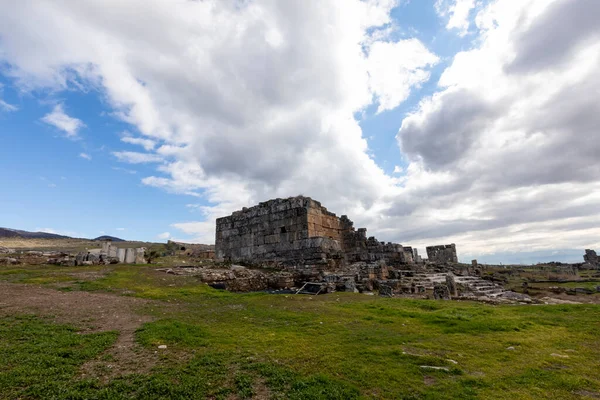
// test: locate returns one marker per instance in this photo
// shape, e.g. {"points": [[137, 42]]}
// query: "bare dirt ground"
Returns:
{"points": [[91, 312]]}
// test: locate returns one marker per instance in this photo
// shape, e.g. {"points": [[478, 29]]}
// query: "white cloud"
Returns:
{"points": [[457, 12], [497, 161], [4, 106], [85, 156], [398, 169], [133, 157], [147, 144], [69, 125], [164, 236], [256, 100], [220, 126], [396, 68], [120, 229]]}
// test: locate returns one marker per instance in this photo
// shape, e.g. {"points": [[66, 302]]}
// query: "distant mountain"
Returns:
{"points": [[7, 233], [106, 237], [15, 233]]}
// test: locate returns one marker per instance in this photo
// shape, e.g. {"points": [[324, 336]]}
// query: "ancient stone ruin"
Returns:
{"points": [[300, 231], [296, 245], [127, 256], [591, 258], [442, 254], [306, 243], [108, 254], [198, 251]]}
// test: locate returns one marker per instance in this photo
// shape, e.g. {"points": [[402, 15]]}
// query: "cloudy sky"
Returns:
{"points": [[426, 121]]}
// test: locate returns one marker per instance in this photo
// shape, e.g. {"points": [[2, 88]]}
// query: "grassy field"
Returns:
{"points": [[336, 346]]}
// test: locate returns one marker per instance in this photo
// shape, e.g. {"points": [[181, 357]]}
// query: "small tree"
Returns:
{"points": [[171, 248], [151, 255]]}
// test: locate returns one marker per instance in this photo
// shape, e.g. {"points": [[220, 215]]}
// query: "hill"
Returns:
{"points": [[106, 237], [15, 233]]}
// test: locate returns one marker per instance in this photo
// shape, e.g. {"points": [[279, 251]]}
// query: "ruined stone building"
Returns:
{"points": [[124, 255], [300, 231], [442, 254], [591, 257]]}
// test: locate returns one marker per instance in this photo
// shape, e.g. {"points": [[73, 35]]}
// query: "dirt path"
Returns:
{"points": [[92, 312]]}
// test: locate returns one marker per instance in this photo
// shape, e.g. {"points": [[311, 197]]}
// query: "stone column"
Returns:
{"points": [[129, 256], [451, 283], [121, 255]]}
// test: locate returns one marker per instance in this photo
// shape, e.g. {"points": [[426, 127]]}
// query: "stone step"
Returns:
{"points": [[482, 285], [490, 291]]}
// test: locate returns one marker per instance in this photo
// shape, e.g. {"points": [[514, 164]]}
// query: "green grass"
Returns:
{"points": [[40, 360], [341, 346]]}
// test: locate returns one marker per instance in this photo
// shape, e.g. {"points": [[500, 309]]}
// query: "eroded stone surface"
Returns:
{"points": [[300, 231], [442, 254]]}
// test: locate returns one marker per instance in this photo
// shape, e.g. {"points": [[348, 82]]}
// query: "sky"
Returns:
{"points": [[426, 121]]}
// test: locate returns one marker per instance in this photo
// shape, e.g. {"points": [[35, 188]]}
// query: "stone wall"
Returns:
{"points": [[277, 231], [322, 223], [591, 257], [299, 231], [442, 254]]}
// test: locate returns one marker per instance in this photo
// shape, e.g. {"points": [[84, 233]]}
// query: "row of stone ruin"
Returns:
{"points": [[455, 283], [109, 254], [127, 255], [300, 231]]}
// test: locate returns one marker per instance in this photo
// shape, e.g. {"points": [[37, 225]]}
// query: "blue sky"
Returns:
{"points": [[55, 188], [283, 109]]}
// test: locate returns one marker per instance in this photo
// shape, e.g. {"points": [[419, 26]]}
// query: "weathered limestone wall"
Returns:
{"points": [[299, 231], [591, 257], [360, 248], [322, 223], [442, 254], [278, 231]]}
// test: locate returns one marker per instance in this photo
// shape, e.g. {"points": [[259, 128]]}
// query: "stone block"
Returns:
{"points": [[121, 255], [129, 256], [112, 251], [140, 255]]}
